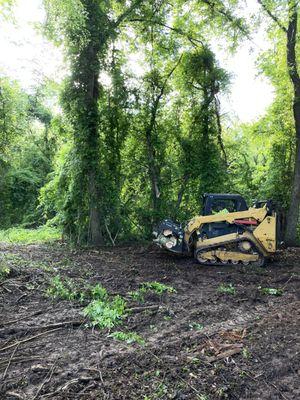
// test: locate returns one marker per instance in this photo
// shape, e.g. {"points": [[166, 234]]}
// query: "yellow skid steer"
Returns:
{"points": [[227, 232]]}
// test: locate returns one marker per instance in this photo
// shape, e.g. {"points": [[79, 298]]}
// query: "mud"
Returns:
{"points": [[200, 343]]}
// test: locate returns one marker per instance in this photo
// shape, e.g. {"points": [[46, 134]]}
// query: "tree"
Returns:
{"points": [[87, 28], [290, 31]]}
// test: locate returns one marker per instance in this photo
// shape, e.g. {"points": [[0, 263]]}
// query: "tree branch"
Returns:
{"points": [[226, 13], [291, 43], [126, 13], [177, 30], [273, 16]]}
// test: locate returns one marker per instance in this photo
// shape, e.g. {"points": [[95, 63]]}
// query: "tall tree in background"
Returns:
{"points": [[291, 8], [86, 27]]}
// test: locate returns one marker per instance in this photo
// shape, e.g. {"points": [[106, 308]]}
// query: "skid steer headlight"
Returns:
{"points": [[171, 242]]}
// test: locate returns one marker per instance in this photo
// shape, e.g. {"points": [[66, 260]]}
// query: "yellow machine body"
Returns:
{"points": [[246, 237]]}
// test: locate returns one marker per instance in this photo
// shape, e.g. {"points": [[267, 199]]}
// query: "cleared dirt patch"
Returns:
{"points": [[201, 342]]}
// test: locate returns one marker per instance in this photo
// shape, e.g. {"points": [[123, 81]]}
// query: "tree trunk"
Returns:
{"points": [[91, 156], [152, 168], [85, 117], [95, 233], [294, 209], [219, 126]]}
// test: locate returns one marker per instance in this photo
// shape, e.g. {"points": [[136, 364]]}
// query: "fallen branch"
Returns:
{"points": [[225, 354], [9, 362], [47, 379], [20, 360], [27, 340], [141, 309], [50, 326], [22, 319]]}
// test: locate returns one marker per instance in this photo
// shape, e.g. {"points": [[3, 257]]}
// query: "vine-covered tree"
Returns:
{"points": [[284, 14]]}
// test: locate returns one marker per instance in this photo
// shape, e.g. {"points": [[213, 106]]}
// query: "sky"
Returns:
{"points": [[29, 58]]}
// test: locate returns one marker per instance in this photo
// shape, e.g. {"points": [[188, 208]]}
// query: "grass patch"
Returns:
{"points": [[128, 337], [43, 234], [227, 289]]}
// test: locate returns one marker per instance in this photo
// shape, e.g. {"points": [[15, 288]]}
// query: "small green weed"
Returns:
{"points": [[158, 287], [146, 287], [42, 234], [246, 353], [4, 271], [62, 289], [138, 295], [271, 291], [227, 289], [65, 288], [128, 337], [98, 292], [104, 313], [195, 326], [202, 397]]}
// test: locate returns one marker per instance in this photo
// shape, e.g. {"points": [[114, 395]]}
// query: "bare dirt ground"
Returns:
{"points": [[199, 343]]}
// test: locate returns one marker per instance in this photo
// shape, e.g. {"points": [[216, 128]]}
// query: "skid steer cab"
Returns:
{"points": [[227, 232]]}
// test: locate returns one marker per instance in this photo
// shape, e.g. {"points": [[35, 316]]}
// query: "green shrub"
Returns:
{"points": [[104, 313], [59, 289], [98, 292]]}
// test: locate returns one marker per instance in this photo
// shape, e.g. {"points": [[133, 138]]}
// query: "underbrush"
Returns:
{"points": [[128, 337], [103, 310], [106, 313], [154, 287], [43, 234]]}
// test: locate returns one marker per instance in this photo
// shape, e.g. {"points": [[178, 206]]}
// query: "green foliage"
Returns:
{"points": [[105, 314], [130, 148], [138, 295], [13, 113], [128, 337], [146, 287], [196, 326], [227, 289], [98, 292], [27, 145], [4, 271], [246, 353], [43, 234], [62, 289], [271, 291], [158, 287], [6, 8]]}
